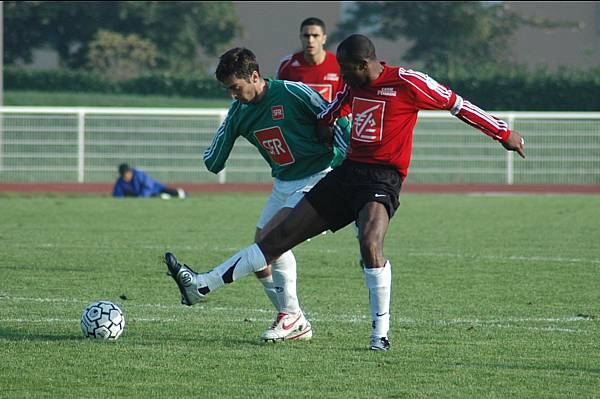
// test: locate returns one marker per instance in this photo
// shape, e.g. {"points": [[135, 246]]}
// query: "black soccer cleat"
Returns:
{"points": [[186, 280]]}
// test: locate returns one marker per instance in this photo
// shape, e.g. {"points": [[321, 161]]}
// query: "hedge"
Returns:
{"points": [[522, 90], [80, 81], [500, 89]]}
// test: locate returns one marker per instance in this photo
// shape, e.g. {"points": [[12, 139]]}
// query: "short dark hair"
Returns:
{"points": [[358, 47], [239, 62], [123, 168], [313, 21]]}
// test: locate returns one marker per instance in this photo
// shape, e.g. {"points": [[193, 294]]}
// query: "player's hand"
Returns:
{"points": [[325, 134], [515, 143]]}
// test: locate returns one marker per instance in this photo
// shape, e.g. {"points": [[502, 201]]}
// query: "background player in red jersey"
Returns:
{"points": [[385, 102], [314, 66]]}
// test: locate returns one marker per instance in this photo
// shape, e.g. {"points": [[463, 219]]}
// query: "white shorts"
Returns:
{"points": [[286, 194]]}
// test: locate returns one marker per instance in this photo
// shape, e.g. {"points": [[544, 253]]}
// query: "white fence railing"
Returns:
{"points": [[51, 144]]}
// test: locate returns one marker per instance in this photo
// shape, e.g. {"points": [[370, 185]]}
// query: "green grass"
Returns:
{"points": [[493, 297], [70, 99]]}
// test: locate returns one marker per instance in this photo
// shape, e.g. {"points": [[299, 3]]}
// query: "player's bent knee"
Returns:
{"points": [[272, 246]]}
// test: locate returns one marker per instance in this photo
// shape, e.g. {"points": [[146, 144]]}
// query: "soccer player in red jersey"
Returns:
{"points": [[314, 66], [385, 102]]}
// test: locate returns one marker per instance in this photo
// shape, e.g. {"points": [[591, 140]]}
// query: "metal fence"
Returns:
{"points": [[48, 144]]}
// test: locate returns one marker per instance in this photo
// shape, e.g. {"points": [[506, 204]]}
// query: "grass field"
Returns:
{"points": [[493, 297], [70, 99]]}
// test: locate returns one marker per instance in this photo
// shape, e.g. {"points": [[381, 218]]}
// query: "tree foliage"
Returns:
{"points": [[121, 57], [178, 29], [446, 36]]}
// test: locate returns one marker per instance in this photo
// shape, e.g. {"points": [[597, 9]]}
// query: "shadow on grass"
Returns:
{"points": [[19, 335]]}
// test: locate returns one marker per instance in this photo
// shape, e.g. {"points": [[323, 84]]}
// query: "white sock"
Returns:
{"points": [[284, 279], [269, 287], [246, 261], [379, 283]]}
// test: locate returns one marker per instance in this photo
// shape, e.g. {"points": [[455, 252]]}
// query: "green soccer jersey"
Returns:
{"points": [[282, 126]]}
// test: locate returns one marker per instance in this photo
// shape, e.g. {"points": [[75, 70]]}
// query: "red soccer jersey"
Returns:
{"points": [[384, 114], [325, 78]]}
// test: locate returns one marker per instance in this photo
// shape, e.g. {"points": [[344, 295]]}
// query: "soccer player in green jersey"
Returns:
{"points": [[280, 119]]}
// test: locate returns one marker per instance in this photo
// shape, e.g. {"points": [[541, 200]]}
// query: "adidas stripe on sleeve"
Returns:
{"points": [[429, 94], [215, 156]]}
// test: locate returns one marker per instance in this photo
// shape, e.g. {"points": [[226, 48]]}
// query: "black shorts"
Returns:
{"points": [[343, 192]]}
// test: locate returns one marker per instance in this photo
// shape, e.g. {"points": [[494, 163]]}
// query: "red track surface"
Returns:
{"points": [[106, 188]]}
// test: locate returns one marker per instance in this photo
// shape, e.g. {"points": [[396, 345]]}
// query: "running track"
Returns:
{"points": [[106, 188]]}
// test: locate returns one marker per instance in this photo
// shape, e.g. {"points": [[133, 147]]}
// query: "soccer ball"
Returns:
{"points": [[103, 320]]}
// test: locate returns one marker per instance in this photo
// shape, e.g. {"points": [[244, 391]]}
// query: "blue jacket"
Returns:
{"points": [[141, 185]]}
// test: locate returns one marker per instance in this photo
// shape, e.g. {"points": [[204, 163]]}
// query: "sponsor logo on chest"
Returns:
{"points": [[387, 91], [334, 77], [277, 112], [324, 89], [272, 140], [367, 124]]}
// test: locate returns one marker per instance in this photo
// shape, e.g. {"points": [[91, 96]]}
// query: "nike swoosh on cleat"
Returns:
{"points": [[379, 315], [289, 325]]}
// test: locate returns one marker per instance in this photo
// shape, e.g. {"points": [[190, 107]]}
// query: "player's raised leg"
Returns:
{"points": [[302, 223], [373, 221]]}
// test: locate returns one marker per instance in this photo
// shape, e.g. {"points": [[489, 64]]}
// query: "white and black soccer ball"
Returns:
{"points": [[102, 320]]}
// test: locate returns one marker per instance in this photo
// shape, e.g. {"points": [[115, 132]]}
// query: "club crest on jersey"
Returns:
{"points": [[324, 89], [367, 123], [386, 91], [272, 140], [277, 112]]}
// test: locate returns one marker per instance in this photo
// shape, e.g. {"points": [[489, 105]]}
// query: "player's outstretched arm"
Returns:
{"points": [[429, 94], [515, 142]]}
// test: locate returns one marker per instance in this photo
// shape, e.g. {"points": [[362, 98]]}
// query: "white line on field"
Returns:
{"points": [[59, 320], [518, 320], [161, 249], [175, 320], [507, 258], [551, 329], [316, 316]]}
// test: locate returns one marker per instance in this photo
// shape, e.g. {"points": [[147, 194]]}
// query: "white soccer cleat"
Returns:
{"points": [[288, 327], [380, 344], [181, 193], [186, 280]]}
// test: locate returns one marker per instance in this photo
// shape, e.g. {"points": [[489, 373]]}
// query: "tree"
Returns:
{"points": [[19, 39], [446, 36], [178, 29], [121, 57], [64, 26]]}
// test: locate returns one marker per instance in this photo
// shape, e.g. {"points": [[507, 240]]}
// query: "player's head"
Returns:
{"points": [[355, 54], [125, 172], [313, 36], [240, 73]]}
